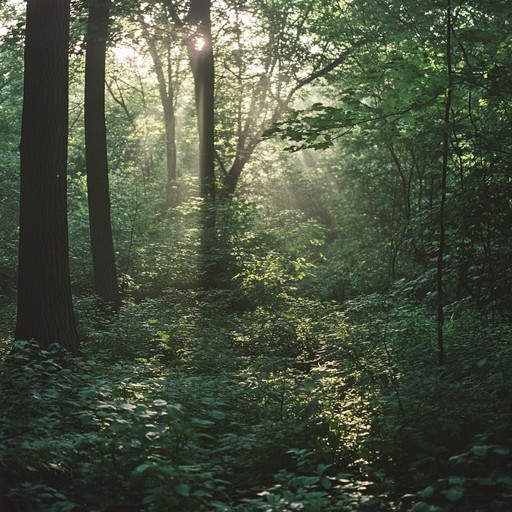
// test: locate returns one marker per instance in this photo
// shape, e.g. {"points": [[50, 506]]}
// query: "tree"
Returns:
{"points": [[248, 95], [103, 256], [395, 156], [200, 52], [45, 310], [168, 89], [267, 64], [444, 176], [196, 28]]}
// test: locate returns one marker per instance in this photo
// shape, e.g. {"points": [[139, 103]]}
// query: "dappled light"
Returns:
{"points": [[199, 43], [124, 53]]}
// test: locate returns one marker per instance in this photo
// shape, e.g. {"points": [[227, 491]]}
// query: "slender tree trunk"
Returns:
{"points": [[231, 179], [45, 310], [170, 137], [444, 172], [200, 53], [103, 256], [166, 91]]}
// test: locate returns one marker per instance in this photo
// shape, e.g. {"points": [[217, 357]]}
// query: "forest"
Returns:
{"points": [[255, 255]]}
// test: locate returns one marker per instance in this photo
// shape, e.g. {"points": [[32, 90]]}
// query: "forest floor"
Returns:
{"points": [[188, 402]]}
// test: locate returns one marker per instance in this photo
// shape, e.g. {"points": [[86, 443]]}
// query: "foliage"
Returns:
{"points": [[306, 378], [469, 485], [10, 125], [298, 404]]}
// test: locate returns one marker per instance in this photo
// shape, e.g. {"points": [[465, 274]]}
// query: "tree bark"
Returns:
{"points": [[167, 97], [198, 41], [45, 309], [230, 181], [444, 173], [102, 246], [200, 52]]}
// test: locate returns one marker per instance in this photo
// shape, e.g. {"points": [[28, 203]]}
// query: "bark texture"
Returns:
{"points": [[45, 310], [167, 98], [444, 173], [102, 246], [200, 53]]}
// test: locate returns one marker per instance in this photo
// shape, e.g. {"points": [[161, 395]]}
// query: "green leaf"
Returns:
{"points": [[127, 406], [218, 415], [420, 507], [505, 480], [454, 494], [427, 492], [141, 469], [182, 489], [480, 450], [174, 411], [326, 483], [117, 427], [487, 482], [458, 480], [320, 469]]}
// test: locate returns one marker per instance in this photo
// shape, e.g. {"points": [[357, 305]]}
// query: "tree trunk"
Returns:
{"points": [[200, 53], [231, 179], [103, 256], [444, 172], [170, 136], [167, 93], [45, 310]]}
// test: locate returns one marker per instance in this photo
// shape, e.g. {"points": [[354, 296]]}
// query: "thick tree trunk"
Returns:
{"points": [[103, 256], [45, 310]]}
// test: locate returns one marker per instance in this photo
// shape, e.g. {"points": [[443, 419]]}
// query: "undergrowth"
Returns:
{"points": [[184, 403]]}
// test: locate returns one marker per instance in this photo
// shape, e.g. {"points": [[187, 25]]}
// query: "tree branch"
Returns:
{"points": [[325, 70]]}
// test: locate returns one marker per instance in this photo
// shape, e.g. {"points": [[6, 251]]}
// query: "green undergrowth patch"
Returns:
{"points": [[79, 434], [187, 402]]}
